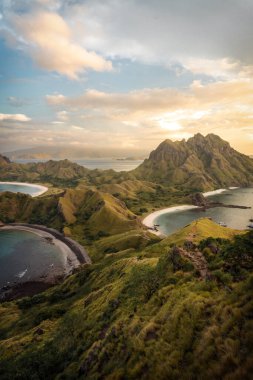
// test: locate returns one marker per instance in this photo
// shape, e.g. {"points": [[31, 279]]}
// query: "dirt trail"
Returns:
{"points": [[198, 261]]}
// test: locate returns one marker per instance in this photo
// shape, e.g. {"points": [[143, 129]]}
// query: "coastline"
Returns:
{"points": [[41, 189], [149, 220], [73, 251], [73, 255], [70, 260], [213, 192], [219, 191]]}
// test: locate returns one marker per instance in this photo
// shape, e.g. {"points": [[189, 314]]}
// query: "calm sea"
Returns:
{"points": [[233, 217], [98, 163], [25, 256], [32, 190]]}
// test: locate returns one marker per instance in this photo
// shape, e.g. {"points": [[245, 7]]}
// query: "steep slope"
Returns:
{"points": [[96, 212], [142, 315], [4, 160], [201, 163], [99, 213]]}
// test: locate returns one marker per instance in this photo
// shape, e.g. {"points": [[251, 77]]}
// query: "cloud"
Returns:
{"points": [[219, 107], [62, 116], [165, 31], [153, 101], [47, 38], [224, 68], [207, 37], [14, 117]]}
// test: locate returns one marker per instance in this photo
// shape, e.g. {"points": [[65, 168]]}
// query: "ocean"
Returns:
{"points": [[232, 217], [98, 163]]}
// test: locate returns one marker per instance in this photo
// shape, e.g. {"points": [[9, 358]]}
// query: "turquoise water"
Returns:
{"points": [[233, 217], [25, 256], [31, 190]]}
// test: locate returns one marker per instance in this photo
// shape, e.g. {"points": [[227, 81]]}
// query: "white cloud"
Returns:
{"points": [[223, 68], [62, 115], [223, 107], [166, 31], [47, 38], [14, 117]]}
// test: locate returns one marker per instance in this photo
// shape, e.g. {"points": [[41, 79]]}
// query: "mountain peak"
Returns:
{"points": [[200, 163]]}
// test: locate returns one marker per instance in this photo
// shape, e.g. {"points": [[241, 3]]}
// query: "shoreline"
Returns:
{"points": [[150, 219], [219, 191], [72, 252], [76, 252], [69, 259], [41, 189]]}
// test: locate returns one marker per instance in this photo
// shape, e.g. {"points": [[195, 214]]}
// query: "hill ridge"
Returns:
{"points": [[200, 163]]}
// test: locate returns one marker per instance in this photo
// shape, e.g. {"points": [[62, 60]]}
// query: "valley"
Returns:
{"points": [[144, 304]]}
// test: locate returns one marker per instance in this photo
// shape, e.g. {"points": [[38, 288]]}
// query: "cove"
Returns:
{"points": [[233, 217], [22, 187]]}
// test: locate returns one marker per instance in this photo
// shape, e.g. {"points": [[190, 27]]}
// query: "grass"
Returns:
{"points": [[130, 316], [133, 313]]}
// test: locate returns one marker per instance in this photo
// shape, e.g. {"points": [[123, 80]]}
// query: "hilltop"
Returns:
{"points": [[200, 163], [181, 312], [179, 307]]}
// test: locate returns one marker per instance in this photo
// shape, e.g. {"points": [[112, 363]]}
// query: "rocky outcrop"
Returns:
{"points": [[198, 199]]}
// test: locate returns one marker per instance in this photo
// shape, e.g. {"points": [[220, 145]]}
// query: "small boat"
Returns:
{"points": [[156, 225], [222, 224], [250, 225]]}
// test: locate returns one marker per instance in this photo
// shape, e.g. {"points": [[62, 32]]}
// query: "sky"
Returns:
{"points": [[125, 75]]}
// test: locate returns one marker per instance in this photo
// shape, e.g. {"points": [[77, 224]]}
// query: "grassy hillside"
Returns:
{"points": [[59, 173], [200, 163], [137, 314], [23, 208], [85, 215]]}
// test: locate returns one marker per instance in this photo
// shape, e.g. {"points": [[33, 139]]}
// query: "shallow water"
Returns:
{"points": [[25, 256], [233, 217], [25, 189]]}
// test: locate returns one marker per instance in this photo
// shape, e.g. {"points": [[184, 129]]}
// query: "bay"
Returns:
{"points": [[25, 256], [233, 217]]}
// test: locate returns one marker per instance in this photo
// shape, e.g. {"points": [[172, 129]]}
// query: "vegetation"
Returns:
{"points": [[200, 164], [134, 314], [176, 308]]}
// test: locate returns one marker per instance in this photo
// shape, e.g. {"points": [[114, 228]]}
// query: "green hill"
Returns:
{"points": [[139, 314], [58, 173], [200, 163]]}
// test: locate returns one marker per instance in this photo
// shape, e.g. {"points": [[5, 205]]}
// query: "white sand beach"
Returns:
{"points": [[150, 219], [218, 191], [70, 260], [41, 189]]}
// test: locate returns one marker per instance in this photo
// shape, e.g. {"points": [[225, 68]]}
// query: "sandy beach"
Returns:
{"points": [[70, 259], [41, 189], [218, 191], [149, 220]]}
